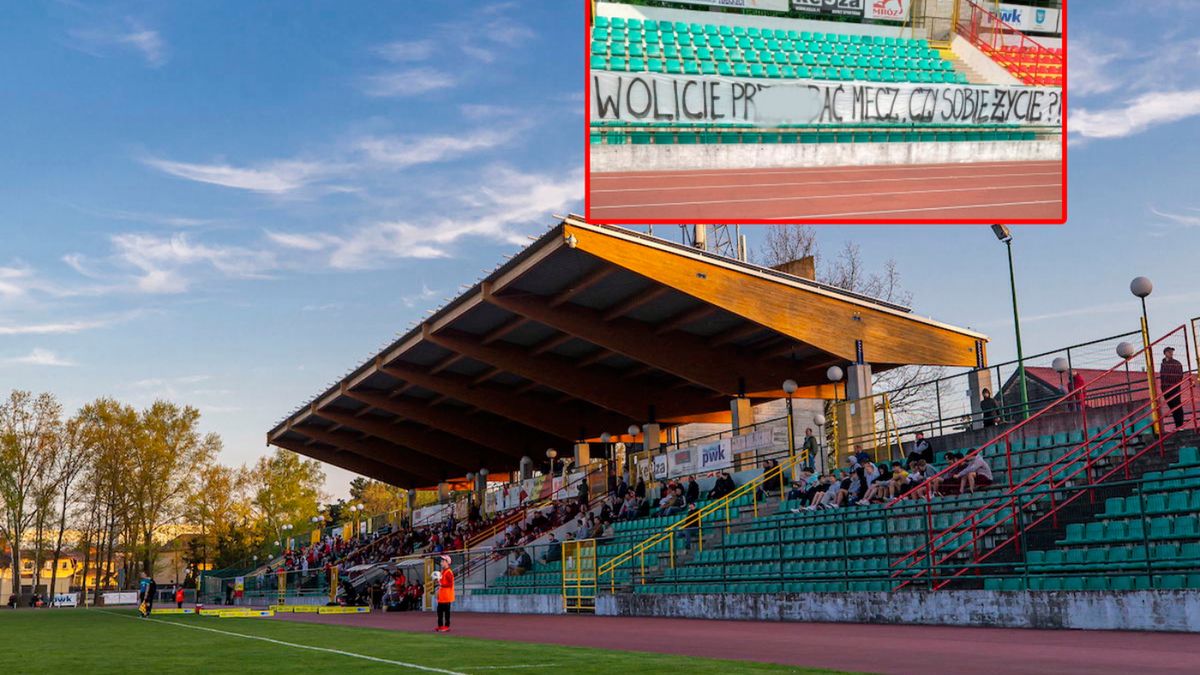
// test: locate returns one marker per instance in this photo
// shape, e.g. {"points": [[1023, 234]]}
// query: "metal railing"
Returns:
{"points": [[986, 30]]}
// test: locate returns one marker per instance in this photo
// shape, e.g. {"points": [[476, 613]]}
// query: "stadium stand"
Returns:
{"points": [[1034, 66]]}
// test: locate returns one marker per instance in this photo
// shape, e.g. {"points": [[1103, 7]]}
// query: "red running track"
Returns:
{"points": [[999, 191], [921, 650]]}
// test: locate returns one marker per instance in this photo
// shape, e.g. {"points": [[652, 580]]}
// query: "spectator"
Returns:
{"points": [[584, 497], [669, 504], [629, 509], [805, 482], [690, 526], [622, 488], [553, 551], [921, 449], [977, 472], [923, 474], [640, 489], [722, 487], [828, 492], [693, 490], [809, 448], [1170, 375], [991, 410], [880, 486]]}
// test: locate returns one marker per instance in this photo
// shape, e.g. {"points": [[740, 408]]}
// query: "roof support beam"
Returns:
{"points": [[639, 299], [685, 356], [564, 424], [507, 439], [379, 451], [566, 376], [503, 329], [351, 462], [587, 281], [685, 318], [440, 447]]}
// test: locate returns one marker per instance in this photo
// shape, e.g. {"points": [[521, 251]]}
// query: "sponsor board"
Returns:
{"points": [[344, 610], [660, 467], [715, 456], [767, 5], [1033, 19], [887, 10], [66, 600], [172, 610], [681, 462]]}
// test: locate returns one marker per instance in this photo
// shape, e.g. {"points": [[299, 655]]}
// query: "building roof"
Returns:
{"points": [[590, 329]]}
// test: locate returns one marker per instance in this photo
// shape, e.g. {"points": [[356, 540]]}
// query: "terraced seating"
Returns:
{"points": [[1031, 66], [682, 48]]}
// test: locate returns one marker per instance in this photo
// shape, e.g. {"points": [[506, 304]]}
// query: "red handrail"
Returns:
{"points": [[970, 24]]}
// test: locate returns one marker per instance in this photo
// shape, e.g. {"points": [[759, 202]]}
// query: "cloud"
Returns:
{"points": [[59, 328], [303, 242], [401, 153], [147, 43], [39, 357], [400, 50], [1090, 68], [275, 177], [409, 82], [506, 200], [1136, 115], [165, 264], [1178, 219]]}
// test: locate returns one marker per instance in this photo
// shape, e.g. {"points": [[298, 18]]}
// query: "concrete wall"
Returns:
{"points": [[510, 604], [761, 156], [1177, 611]]}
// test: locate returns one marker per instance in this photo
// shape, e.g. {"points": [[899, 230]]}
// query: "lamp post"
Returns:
{"points": [[1143, 287], [1060, 366], [1005, 235], [633, 430], [789, 388], [834, 374], [287, 531], [552, 453], [819, 420]]}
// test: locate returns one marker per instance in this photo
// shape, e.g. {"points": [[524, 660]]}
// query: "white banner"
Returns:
{"points": [[844, 7], [66, 599], [757, 440], [681, 462], [120, 598], [660, 467], [768, 5], [887, 10], [651, 97], [715, 456], [1035, 19]]}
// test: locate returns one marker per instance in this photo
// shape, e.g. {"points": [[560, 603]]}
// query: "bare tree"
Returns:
{"points": [[785, 243]]}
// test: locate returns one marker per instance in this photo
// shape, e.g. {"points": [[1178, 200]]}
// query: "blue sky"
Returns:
{"points": [[231, 204]]}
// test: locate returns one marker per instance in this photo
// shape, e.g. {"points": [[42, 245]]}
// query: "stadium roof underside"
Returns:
{"points": [[590, 329]]}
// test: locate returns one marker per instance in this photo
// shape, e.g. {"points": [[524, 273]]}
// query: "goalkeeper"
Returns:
{"points": [[445, 594]]}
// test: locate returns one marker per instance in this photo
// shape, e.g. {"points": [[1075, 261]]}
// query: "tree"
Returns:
{"points": [[70, 461], [285, 489], [219, 496], [29, 430], [379, 498], [785, 243]]}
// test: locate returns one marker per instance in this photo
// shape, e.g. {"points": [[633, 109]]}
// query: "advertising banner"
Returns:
{"points": [[66, 599], [768, 5], [1031, 19], [660, 467], [758, 440], [715, 456], [120, 598], [681, 462], [887, 10], [840, 7], [651, 97]]}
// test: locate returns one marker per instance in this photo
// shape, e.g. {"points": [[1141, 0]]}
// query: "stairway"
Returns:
{"points": [[960, 66]]}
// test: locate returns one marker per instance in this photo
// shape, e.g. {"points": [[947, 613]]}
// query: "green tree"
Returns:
{"points": [[29, 432], [285, 489]]}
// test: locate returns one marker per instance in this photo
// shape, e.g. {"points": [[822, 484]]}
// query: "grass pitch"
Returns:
{"points": [[91, 641]]}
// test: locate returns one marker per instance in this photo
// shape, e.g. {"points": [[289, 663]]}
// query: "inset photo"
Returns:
{"points": [[826, 111]]}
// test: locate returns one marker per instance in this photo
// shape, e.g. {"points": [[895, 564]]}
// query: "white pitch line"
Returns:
{"points": [[808, 197], [339, 652], [810, 216], [731, 186], [814, 169]]}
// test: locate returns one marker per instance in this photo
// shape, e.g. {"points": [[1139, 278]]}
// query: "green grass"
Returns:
{"points": [[90, 642]]}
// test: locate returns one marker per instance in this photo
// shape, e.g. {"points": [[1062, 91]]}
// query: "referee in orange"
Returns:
{"points": [[445, 594]]}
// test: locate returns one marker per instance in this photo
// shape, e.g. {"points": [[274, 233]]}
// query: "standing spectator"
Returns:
{"points": [[640, 489], [991, 410], [583, 493], [1170, 375], [622, 488], [809, 448], [693, 490], [179, 598]]}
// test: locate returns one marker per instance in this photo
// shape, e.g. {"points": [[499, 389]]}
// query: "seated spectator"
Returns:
{"points": [[722, 487], [922, 477], [520, 564], [921, 449], [667, 503], [977, 472], [803, 484]]}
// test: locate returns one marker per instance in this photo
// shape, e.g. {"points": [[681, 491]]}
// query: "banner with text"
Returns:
{"points": [[1035, 19], [714, 456], [651, 97]]}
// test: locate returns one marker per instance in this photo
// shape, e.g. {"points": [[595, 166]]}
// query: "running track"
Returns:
{"points": [[923, 650], [998, 191]]}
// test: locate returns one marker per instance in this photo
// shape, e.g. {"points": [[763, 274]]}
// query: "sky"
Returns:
{"points": [[232, 204]]}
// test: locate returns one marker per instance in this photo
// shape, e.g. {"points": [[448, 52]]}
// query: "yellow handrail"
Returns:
{"points": [[697, 517]]}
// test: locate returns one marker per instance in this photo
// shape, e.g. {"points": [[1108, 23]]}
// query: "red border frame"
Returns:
{"points": [[587, 161]]}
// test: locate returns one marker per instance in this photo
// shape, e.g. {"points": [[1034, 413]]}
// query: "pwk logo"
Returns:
{"points": [[888, 8], [1012, 16], [712, 456], [1040, 17]]}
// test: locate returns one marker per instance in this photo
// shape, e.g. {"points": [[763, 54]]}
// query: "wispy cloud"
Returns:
{"points": [[1136, 115], [401, 153], [54, 328], [277, 177], [39, 357], [166, 264], [408, 82], [1178, 218], [411, 50], [147, 43]]}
